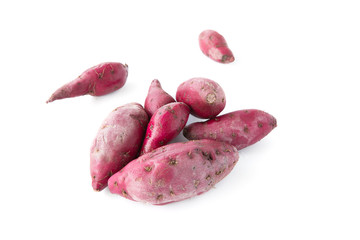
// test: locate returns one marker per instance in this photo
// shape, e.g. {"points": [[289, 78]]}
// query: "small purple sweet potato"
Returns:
{"points": [[240, 128], [213, 45], [205, 97], [117, 142], [175, 172], [96, 81], [156, 98], [166, 123]]}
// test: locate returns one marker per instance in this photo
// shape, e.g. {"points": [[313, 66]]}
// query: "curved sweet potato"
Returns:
{"points": [[175, 172], [205, 97], [96, 81], [166, 123], [240, 128], [117, 142], [156, 98], [213, 45]]}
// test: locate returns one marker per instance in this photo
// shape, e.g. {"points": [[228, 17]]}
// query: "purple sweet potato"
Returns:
{"points": [[240, 128], [117, 142], [96, 81], [175, 172], [156, 98], [166, 123], [213, 45], [205, 97]]}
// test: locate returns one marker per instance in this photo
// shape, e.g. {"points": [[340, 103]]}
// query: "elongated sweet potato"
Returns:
{"points": [[96, 81], [156, 98], [240, 128], [175, 172], [213, 45], [166, 123], [205, 97], [117, 142]]}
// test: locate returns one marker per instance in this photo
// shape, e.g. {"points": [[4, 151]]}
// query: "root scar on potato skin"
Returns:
{"points": [[196, 183], [124, 193], [172, 162], [246, 129], [159, 197], [148, 168], [211, 98]]}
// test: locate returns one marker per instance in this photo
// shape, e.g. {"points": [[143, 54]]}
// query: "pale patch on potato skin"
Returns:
{"points": [[215, 53], [179, 171]]}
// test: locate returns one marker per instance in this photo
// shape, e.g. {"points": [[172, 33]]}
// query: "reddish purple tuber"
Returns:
{"points": [[213, 45], [205, 97], [166, 123], [240, 128], [175, 172], [96, 81], [117, 142]]}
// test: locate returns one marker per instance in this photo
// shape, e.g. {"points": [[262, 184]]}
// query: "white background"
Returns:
{"points": [[297, 60]]}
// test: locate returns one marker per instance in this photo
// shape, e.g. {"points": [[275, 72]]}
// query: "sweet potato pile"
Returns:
{"points": [[131, 152]]}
